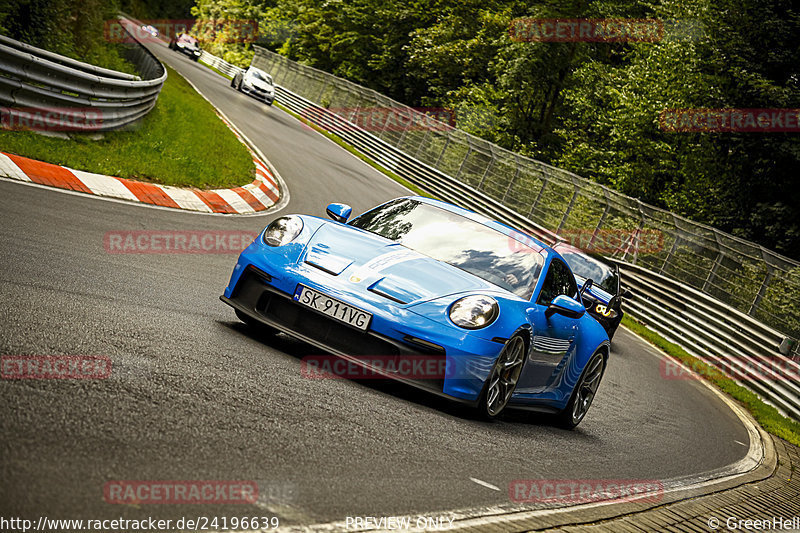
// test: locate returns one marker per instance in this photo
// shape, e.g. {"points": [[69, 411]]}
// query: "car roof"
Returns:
{"points": [[566, 248], [513, 233]]}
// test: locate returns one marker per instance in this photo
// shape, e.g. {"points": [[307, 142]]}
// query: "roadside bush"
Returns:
{"points": [[73, 28]]}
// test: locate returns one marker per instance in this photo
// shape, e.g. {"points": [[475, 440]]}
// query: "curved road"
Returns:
{"points": [[196, 395]]}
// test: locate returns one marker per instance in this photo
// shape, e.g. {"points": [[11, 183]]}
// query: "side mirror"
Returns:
{"points": [[339, 212], [586, 286], [566, 306]]}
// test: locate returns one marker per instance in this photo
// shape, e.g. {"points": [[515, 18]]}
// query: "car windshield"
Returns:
{"points": [[585, 268], [458, 241], [259, 75]]}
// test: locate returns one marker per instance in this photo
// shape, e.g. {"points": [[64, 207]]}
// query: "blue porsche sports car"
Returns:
{"points": [[415, 278]]}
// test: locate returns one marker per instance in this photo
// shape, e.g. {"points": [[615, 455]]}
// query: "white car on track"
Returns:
{"points": [[149, 28], [256, 83]]}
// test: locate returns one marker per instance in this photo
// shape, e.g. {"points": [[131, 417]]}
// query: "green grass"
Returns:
{"points": [[180, 142], [766, 415]]}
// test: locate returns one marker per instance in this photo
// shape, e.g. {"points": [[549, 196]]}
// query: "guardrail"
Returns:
{"points": [[83, 97], [742, 274], [220, 64], [707, 328], [715, 333]]}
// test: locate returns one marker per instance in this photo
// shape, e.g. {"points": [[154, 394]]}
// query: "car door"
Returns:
{"points": [[554, 337]]}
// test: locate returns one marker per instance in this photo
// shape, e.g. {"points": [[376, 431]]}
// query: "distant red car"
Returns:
{"points": [[186, 44]]}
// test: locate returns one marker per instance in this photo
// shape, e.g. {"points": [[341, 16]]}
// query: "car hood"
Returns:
{"points": [[386, 268], [264, 86]]}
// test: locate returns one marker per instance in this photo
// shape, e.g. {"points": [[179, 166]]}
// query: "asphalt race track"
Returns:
{"points": [[196, 395]]}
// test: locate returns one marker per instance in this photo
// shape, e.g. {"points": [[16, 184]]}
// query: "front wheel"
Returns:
{"points": [[503, 378], [584, 392]]}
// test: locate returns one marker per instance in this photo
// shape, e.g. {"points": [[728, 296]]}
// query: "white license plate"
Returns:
{"points": [[332, 307]]}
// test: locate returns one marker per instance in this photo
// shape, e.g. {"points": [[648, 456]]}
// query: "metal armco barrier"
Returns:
{"points": [[711, 330], [219, 64], [76, 95], [706, 328], [741, 274], [715, 333]]}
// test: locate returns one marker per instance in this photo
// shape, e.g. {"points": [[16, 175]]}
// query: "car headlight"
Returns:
{"points": [[283, 230], [197, 52], [474, 312]]}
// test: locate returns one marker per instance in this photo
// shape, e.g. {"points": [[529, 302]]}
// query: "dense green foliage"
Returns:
{"points": [[73, 28], [180, 142], [158, 9], [591, 108]]}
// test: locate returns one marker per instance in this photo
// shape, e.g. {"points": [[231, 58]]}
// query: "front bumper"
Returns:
{"points": [[257, 93], [188, 51], [264, 292]]}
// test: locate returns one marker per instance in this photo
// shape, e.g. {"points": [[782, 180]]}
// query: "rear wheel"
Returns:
{"points": [[503, 378], [584, 392], [255, 324]]}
